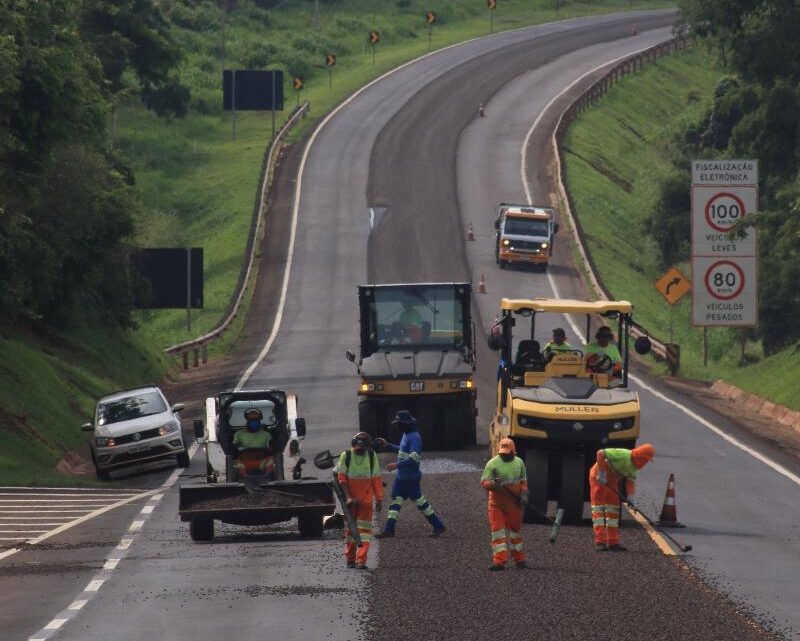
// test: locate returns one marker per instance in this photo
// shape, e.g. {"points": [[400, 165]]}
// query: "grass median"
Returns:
{"points": [[613, 152]]}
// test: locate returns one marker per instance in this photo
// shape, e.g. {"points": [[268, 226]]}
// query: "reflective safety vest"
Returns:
{"points": [[244, 439], [552, 346], [620, 461], [360, 476], [609, 350], [510, 475]]}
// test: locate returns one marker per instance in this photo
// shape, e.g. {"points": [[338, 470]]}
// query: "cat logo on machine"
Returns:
{"points": [[416, 386], [591, 409]]}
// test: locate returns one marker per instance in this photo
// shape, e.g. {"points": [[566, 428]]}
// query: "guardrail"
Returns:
{"points": [[198, 347], [586, 100]]}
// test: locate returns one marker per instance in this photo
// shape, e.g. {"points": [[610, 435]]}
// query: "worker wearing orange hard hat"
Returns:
{"points": [[614, 464], [506, 481]]}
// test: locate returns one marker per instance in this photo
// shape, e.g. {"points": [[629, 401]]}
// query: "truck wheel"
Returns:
{"points": [[201, 529], [183, 459], [101, 474], [502, 264], [310, 525], [573, 478], [537, 466]]}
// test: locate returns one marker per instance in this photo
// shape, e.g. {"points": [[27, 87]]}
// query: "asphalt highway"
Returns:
{"points": [[266, 582]]}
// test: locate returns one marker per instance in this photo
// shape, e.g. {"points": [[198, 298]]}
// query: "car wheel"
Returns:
{"points": [[101, 474], [183, 459]]}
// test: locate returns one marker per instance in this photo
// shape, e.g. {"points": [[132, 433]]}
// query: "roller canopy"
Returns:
{"points": [[566, 306]]}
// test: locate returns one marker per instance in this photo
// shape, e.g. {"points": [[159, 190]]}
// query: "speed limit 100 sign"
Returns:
{"points": [[715, 212], [724, 291]]}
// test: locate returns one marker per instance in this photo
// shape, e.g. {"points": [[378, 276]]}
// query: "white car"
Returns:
{"points": [[135, 426]]}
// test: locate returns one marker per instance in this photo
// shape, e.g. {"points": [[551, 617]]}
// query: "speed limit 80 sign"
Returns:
{"points": [[715, 212], [726, 295]]}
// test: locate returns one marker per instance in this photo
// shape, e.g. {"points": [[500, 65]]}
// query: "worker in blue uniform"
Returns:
{"points": [[407, 482]]}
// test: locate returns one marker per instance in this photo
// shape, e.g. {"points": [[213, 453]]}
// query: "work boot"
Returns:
{"points": [[437, 532], [600, 547], [351, 564], [496, 567], [522, 565], [386, 534], [618, 548], [361, 566]]}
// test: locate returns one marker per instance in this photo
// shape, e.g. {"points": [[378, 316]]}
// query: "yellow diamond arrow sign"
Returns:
{"points": [[673, 285]]}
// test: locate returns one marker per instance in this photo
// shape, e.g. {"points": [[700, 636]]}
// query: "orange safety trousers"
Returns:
{"points": [[505, 521], [363, 516], [605, 506]]}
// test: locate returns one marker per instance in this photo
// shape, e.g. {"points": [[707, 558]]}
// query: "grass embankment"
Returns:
{"points": [[613, 151], [49, 386], [198, 185]]}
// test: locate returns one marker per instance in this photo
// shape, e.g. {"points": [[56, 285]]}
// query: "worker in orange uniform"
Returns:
{"points": [[613, 465], [505, 478], [359, 474]]}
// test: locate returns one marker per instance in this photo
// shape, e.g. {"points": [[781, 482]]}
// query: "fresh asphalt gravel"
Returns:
{"points": [[437, 589]]}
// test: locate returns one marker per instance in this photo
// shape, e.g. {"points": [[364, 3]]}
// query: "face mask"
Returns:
{"points": [[507, 457], [253, 424]]}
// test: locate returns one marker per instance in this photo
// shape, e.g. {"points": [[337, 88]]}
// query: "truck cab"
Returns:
{"points": [[417, 354], [524, 235]]}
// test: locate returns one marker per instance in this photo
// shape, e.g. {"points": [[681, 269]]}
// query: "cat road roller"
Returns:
{"points": [[417, 353], [562, 407]]}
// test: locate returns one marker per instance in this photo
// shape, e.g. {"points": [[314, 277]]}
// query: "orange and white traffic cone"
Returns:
{"points": [[470, 233], [669, 512], [482, 285]]}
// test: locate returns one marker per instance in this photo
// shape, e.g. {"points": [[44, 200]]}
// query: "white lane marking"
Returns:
{"points": [[22, 531], [299, 186], [11, 538], [55, 624], [16, 517], [124, 544], [118, 553], [94, 585], [48, 511], [49, 494], [110, 490]]}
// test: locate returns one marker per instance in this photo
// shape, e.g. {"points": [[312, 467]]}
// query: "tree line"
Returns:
{"points": [[67, 210], [754, 113]]}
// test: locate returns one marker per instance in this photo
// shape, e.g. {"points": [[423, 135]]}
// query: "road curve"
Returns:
{"points": [[247, 584]]}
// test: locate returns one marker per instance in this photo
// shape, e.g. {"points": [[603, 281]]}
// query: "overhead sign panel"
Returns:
{"points": [[725, 172], [174, 277]]}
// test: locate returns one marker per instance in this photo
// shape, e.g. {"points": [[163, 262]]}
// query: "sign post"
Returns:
{"points": [[430, 18], [492, 4], [330, 62], [724, 255], [374, 39]]}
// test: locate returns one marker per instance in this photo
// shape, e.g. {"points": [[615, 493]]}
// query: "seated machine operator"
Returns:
{"points": [[602, 355], [255, 436], [558, 344]]}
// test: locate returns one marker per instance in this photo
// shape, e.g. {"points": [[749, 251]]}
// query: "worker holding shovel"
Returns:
{"points": [[506, 481], [613, 465]]}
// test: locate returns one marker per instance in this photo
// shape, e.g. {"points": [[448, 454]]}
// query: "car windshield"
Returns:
{"points": [[417, 316], [130, 407], [526, 227]]}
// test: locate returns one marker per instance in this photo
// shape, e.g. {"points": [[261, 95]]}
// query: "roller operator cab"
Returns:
{"points": [[561, 409], [524, 235], [417, 353]]}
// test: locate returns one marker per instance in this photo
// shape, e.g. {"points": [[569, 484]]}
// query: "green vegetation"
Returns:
{"points": [[618, 155], [198, 186], [50, 382], [112, 137]]}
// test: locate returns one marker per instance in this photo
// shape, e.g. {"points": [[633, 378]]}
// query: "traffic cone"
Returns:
{"points": [[471, 233], [482, 285], [669, 512]]}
